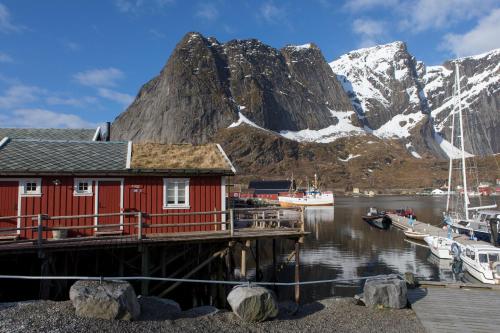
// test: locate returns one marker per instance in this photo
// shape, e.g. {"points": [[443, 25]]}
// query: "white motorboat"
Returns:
{"points": [[482, 262], [440, 246]]}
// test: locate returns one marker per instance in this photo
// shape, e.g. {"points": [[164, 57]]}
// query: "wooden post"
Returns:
{"points": [[139, 225], [230, 261], [274, 260], [163, 262], [145, 270], [297, 272], [40, 229], [231, 221], [257, 261], [215, 219], [244, 249], [302, 220]]}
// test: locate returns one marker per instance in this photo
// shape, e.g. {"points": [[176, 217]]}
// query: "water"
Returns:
{"points": [[341, 245]]}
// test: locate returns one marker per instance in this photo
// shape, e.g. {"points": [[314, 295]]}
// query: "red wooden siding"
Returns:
{"points": [[8, 204], [139, 194]]}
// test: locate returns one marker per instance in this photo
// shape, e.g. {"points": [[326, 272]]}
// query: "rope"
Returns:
{"points": [[134, 278]]}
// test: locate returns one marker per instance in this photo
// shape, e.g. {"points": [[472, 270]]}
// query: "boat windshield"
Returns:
{"points": [[483, 258], [493, 257]]}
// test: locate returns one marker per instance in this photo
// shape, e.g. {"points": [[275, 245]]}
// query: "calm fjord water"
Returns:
{"points": [[342, 245]]}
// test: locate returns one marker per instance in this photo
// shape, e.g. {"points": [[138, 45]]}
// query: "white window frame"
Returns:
{"points": [[166, 182], [24, 182], [87, 193]]}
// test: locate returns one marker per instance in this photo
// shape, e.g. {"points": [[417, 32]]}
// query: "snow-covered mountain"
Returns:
{"points": [[397, 96], [293, 93]]}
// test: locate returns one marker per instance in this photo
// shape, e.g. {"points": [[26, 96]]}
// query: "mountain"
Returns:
{"points": [[397, 96], [206, 86], [375, 117]]}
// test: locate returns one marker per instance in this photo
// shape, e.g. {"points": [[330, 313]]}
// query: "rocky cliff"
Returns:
{"points": [[397, 96], [207, 85]]}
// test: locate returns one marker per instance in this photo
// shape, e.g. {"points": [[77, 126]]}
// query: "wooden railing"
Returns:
{"points": [[258, 218]]}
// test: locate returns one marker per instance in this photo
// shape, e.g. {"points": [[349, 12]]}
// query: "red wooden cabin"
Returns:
{"points": [[61, 177]]}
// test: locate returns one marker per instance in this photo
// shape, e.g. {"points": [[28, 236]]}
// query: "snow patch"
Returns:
{"points": [[244, 120], [399, 126], [343, 128], [412, 150], [450, 150]]}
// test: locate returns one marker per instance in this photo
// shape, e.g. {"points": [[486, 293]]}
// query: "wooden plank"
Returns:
{"points": [[456, 310]]}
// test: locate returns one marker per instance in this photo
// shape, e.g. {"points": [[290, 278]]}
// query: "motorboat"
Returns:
{"points": [[440, 246], [482, 262], [410, 233], [377, 219]]}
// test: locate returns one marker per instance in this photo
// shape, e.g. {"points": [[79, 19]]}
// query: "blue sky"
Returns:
{"points": [[78, 63]]}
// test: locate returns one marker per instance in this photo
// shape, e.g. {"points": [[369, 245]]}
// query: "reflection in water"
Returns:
{"points": [[343, 246]]}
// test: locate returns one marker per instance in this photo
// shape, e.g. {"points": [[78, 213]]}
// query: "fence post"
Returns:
{"points": [[215, 219], [231, 221], [40, 229], [139, 225], [302, 221]]}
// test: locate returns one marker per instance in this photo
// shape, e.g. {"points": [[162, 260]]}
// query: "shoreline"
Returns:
{"points": [[327, 315]]}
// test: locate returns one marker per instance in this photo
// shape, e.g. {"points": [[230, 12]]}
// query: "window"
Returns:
{"points": [[82, 187], [31, 187], [176, 193], [483, 258]]}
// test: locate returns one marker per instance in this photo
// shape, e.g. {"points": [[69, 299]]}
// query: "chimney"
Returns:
{"points": [[107, 131]]}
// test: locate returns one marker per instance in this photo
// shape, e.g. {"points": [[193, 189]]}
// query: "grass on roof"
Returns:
{"points": [[180, 156]]}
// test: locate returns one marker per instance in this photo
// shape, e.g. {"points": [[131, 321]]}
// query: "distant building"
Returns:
{"points": [[269, 189]]}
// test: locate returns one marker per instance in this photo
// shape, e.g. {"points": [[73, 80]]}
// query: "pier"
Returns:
{"points": [[456, 309], [401, 222], [224, 250]]}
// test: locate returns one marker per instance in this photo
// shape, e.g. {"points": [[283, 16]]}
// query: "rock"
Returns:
{"points": [[410, 280], [106, 300], [253, 303], [156, 308], [200, 311], [359, 299], [385, 290]]}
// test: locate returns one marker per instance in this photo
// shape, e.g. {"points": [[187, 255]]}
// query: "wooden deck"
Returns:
{"points": [[153, 239], [456, 310], [401, 222]]}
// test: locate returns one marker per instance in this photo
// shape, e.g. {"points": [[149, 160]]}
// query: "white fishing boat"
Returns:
{"points": [[440, 246], [482, 262], [312, 197]]}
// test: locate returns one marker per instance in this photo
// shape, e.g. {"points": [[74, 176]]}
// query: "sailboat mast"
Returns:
{"points": [[450, 168], [462, 145]]}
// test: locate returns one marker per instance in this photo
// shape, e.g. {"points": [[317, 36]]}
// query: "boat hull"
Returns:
{"points": [[415, 235], [288, 202], [381, 222]]}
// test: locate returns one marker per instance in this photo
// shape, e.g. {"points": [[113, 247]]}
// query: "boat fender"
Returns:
{"points": [[455, 251]]}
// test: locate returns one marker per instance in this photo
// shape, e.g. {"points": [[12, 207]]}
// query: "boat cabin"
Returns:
{"points": [[482, 262]]}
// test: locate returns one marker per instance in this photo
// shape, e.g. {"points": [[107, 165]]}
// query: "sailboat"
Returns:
{"points": [[461, 220], [312, 197], [473, 221]]}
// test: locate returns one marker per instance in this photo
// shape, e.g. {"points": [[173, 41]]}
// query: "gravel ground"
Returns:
{"points": [[330, 315]]}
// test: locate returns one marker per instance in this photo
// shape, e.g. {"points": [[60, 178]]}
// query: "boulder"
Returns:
{"points": [[200, 311], [385, 290], [411, 281], [105, 300], [253, 303], [157, 308]]}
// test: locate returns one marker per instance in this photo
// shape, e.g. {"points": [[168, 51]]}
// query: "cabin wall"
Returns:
{"points": [[138, 193]]}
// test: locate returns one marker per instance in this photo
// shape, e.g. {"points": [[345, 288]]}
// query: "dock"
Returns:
{"points": [[456, 309], [401, 222]]}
